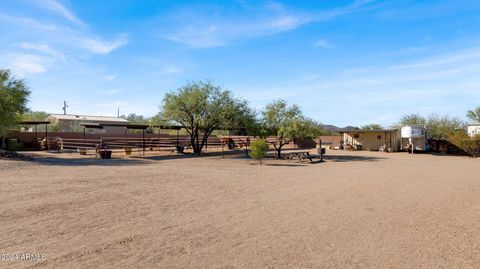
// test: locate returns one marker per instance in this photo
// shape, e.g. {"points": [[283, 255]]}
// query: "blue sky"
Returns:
{"points": [[343, 62]]}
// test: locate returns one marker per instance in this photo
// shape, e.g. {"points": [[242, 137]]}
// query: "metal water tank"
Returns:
{"points": [[412, 132]]}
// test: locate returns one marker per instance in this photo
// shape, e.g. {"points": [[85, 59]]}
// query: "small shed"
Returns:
{"points": [[372, 139]]}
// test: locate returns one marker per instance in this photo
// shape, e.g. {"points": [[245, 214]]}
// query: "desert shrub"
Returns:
{"points": [[470, 145], [15, 145], [258, 149]]}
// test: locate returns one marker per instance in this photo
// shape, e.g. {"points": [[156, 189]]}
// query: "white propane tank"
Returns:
{"points": [[412, 132]]}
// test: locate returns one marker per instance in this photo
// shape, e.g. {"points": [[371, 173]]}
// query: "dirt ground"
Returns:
{"points": [[355, 210]]}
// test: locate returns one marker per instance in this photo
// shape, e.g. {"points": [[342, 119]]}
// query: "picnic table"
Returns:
{"points": [[305, 155]]}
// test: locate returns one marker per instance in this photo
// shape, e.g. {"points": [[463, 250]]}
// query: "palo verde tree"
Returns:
{"points": [[287, 124], [201, 107], [13, 100]]}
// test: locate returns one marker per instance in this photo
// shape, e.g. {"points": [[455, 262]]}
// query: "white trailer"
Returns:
{"points": [[473, 130], [414, 138]]}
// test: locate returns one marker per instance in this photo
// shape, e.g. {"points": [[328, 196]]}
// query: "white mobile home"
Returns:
{"points": [[71, 123], [389, 139]]}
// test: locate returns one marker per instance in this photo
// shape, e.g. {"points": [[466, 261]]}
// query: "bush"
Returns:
{"points": [[470, 145], [258, 149], [14, 145], [442, 127]]}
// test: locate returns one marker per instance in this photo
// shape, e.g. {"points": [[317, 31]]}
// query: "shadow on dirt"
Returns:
{"points": [[73, 159], [351, 158]]}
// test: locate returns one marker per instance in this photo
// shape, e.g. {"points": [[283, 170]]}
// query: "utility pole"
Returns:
{"points": [[64, 107], [118, 112]]}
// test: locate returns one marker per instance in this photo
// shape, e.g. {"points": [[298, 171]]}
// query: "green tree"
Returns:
{"points": [[202, 107], [258, 149], [14, 95], [441, 127], [34, 115], [474, 115], [158, 120], [287, 123], [135, 119], [372, 126], [411, 119], [37, 116]]}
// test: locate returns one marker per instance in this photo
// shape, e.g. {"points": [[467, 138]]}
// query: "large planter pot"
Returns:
{"points": [[180, 149], [105, 154], [128, 151]]}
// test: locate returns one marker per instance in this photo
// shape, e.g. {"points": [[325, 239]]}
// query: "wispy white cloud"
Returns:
{"points": [[445, 83], [65, 43], [202, 37], [450, 58], [171, 70], [214, 33], [99, 46], [23, 64], [204, 28], [421, 10], [113, 104], [59, 9], [322, 43], [111, 92], [109, 77], [408, 51], [42, 48], [37, 58], [26, 22], [285, 23], [325, 15], [79, 35]]}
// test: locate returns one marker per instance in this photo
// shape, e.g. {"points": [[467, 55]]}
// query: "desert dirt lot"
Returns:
{"points": [[356, 210]]}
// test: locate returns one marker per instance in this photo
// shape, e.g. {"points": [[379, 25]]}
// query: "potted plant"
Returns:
{"points": [[82, 151], [180, 149]]}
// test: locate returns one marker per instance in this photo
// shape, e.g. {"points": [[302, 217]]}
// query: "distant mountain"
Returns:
{"points": [[327, 127], [349, 128], [333, 128]]}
